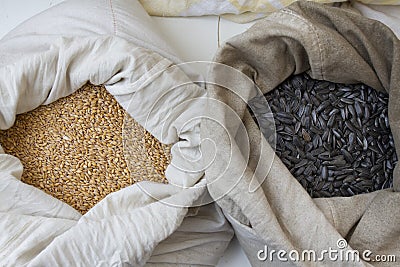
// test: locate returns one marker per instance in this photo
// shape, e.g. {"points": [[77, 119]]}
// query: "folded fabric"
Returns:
{"points": [[112, 43], [387, 14], [238, 11], [267, 206], [250, 9], [207, 7]]}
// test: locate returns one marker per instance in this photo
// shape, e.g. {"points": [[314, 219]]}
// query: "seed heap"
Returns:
{"points": [[334, 138], [75, 148]]}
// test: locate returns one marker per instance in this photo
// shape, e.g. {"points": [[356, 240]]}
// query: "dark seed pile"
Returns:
{"points": [[334, 138]]}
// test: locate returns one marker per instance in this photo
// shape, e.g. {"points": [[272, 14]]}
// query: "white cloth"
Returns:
{"points": [[387, 14], [51, 56]]}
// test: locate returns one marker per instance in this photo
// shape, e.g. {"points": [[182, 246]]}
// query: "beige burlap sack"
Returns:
{"points": [[330, 44]]}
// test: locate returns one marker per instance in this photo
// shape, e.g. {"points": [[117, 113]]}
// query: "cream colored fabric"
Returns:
{"points": [[111, 43], [212, 7], [238, 11]]}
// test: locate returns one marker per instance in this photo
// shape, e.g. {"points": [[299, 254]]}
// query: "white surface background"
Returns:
{"points": [[193, 38]]}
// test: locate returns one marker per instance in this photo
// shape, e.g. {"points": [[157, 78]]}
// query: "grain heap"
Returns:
{"points": [[334, 138], [75, 148]]}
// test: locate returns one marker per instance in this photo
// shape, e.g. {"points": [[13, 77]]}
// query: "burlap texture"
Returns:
{"points": [[330, 44]]}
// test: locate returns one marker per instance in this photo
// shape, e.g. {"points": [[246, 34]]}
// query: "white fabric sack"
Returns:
{"points": [[104, 42]]}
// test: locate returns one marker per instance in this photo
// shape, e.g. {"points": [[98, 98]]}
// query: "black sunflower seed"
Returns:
{"points": [[334, 138]]}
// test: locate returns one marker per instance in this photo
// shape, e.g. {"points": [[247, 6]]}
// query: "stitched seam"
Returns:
{"points": [[6, 248], [154, 72], [314, 31], [219, 32], [332, 213], [113, 17]]}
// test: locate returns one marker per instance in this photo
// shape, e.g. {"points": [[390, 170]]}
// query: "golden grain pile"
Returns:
{"points": [[73, 149]]}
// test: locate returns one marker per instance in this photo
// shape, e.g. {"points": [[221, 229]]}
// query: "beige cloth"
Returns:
{"points": [[330, 44]]}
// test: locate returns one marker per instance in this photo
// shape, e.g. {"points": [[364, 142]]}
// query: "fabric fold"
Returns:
{"points": [[119, 48], [330, 44]]}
